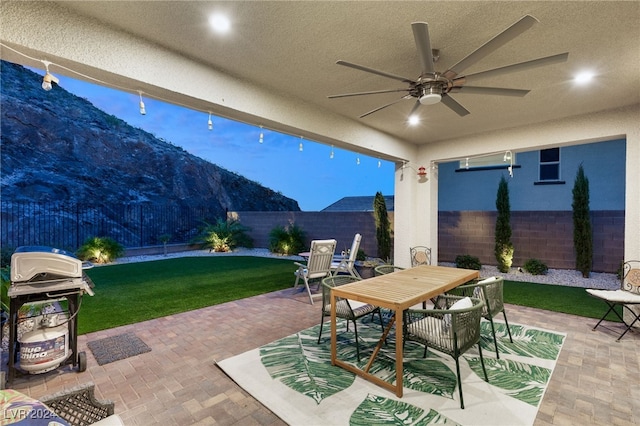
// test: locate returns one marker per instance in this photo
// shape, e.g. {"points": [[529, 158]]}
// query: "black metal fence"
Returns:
{"points": [[68, 225]]}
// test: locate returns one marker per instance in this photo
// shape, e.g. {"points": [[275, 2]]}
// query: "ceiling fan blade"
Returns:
{"points": [[500, 91], [521, 66], [455, 106], [384, 106], [423, 44], [498, 41], [415, 108], [373, 92], [377, 72]]}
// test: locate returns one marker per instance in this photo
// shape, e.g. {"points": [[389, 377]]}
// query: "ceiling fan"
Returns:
{"points": [[432, 87]]}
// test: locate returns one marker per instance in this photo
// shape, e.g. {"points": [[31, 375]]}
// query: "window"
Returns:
{"points": [[550, 164]]}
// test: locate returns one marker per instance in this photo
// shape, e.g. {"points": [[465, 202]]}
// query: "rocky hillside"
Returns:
{"points": [[59, 147]]}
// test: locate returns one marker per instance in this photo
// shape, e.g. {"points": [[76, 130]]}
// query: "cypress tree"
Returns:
{"points": [[582, 236], [503, 248], [383, 227]]}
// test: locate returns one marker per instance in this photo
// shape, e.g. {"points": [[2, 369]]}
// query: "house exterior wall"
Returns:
{"points": [[410, 197], [603, 163]]}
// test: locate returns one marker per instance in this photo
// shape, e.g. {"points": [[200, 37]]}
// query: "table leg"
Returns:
{"points": [[334, 332], [399, 353], [380, 343]]}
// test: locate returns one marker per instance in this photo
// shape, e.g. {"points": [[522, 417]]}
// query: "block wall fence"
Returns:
{"points": [[544, 235]]}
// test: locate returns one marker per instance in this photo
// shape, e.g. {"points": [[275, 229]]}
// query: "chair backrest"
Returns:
{"points": [[631, 276], [355, 246], [490, 290], [320, 257], [420, 255], [386, 269], [343, 309], [465, 323]]}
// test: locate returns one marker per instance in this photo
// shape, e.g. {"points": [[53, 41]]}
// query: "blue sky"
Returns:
{"points": [[309, 176]]}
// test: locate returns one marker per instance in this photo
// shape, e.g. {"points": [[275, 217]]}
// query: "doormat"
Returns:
{"points": [[118, 347], [294, 378]]}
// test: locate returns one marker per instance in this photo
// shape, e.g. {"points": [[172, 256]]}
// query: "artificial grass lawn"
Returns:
{"points": [[135, 292], [557, 298]]}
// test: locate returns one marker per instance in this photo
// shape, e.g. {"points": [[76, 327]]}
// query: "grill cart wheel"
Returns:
{"points": [[82, 361]]}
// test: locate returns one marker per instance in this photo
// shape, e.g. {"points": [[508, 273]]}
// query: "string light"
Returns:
{"points": [[48, 78], [143, 110]]}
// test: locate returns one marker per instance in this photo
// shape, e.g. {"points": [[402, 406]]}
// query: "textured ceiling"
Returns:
{"points": [[292, 48]]}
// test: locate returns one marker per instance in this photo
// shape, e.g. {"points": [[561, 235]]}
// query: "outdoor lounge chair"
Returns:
{"points": [[420, 255], [348, 263], [350, 310], [489, 290], [452, 331], [318, 265], [628, 296]]}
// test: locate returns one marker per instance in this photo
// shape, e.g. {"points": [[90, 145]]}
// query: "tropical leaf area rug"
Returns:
{"points": [[294, 378], [115, 348]]}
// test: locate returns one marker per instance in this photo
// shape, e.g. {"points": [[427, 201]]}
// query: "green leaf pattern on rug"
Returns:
{"points": [[304, 366], [522, 381], [526, 342], [377, 410]]}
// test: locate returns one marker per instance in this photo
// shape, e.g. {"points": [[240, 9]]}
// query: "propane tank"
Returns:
{"points": [[44, 348]]}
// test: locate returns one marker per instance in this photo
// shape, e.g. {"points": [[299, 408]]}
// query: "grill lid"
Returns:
{"points": [[41, 263]]}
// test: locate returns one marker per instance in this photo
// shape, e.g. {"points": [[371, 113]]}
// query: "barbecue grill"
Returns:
{"points": [[46, 274]]}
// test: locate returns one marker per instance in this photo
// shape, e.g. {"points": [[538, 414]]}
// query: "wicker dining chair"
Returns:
{"points": [[386, 269], [349, 310], [451, 331], [489, 290]]}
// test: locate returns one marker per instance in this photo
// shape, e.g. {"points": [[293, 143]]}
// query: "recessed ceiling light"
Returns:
{"points": [[220, 23], [414, 119], [583, 77]]}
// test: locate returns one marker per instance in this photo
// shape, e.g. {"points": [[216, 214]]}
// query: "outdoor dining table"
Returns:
{"points": [[396, 291]]}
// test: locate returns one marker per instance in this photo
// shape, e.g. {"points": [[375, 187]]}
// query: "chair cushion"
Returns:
{"points": [[463, 303], [359, 309], [615, 296], [433, 330]]}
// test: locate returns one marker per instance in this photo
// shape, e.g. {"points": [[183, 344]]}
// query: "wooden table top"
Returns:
{"points": [[403, 289]]}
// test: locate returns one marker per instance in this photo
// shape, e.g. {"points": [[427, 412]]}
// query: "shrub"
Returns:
{"points": [[535, 267], [466, 261], [361, 255], [224, 235], [503, 247], [383, 227], [100, 250], [287, 240], [582, 236]]}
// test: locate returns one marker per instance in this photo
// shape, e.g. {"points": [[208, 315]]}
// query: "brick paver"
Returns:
{"points": [[596, 380]]}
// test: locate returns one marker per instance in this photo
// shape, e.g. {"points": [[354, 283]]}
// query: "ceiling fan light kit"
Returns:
{"points": [[433, 87]]}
